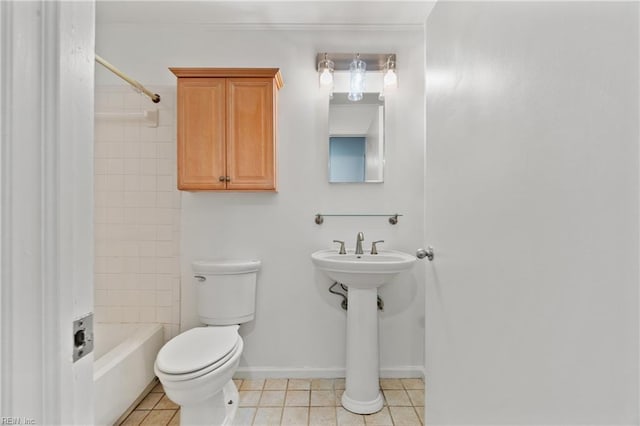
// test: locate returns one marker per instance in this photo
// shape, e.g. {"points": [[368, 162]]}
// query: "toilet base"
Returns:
{"points": [[218, 410]]}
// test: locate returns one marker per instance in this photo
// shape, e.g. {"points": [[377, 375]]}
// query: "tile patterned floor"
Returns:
{"points": [[297, 402]]}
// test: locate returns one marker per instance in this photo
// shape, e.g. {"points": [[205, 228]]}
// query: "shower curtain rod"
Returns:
{"points": [[154, 96]]}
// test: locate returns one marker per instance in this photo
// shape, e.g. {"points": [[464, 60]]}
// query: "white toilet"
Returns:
{"points": [[196, 367]]}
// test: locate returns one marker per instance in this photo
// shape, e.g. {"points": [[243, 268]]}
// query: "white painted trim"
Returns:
{"points": [[638, 404], [75, 104], [5, 185], [313, 27], [424, 200], [46, 134], [52, 338], [25, 154], [408, 372], [283, 27]]}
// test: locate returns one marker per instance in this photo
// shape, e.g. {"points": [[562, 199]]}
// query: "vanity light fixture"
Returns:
{"points": [[325, 72], [357, 70], [390, 78], [327, 62]]}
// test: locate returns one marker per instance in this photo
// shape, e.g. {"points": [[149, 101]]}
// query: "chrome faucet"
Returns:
{"points": [[359, 240]]}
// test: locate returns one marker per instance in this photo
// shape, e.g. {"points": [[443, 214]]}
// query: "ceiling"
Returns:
{"points": [[263, 12]]}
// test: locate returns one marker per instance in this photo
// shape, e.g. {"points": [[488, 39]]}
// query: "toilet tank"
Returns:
{"points": [[226, 290]]}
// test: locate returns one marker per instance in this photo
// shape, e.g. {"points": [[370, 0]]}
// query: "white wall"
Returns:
{"points": [[137, 210], [532, 201], [298, 323]]}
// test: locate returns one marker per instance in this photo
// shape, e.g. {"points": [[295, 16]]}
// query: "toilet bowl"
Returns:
{"points": [[197, 366]]}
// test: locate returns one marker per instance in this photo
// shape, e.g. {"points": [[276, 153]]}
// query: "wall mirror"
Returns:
{"points": [[356, 139]]}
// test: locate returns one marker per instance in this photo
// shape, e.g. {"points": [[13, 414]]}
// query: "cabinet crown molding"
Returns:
{"points": [[230, 73]]}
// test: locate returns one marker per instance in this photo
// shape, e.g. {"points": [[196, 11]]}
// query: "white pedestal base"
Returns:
{"points": [[362, 387], [363, 407]]}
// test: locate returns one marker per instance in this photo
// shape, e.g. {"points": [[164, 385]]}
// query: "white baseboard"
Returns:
{"points": [[405, 372]]}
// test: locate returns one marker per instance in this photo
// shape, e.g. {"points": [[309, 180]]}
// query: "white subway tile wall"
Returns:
{"points": [[137, 211]]}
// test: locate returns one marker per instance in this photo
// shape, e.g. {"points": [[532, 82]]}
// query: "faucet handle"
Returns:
{"points": [[342, 250], [374, 249]]}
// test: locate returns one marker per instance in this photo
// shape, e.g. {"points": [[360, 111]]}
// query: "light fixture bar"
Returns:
{"points": [[341, 61]]}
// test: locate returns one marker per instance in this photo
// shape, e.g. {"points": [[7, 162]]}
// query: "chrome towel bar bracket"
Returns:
{"points": [[428, 253], [393, 218]]}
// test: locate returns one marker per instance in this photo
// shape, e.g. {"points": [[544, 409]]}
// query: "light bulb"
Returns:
{"points": [[326, 79], [390, 78], [325, 68], [357, 70]]}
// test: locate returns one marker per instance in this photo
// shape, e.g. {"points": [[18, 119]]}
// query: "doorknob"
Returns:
{"points": [[428, 253]]}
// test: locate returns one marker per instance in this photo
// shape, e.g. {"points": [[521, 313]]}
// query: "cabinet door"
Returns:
{"points": [[201, 133], [251, 134]]}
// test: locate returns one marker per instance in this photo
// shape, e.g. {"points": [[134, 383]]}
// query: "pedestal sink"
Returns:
{"points": [[363, 274]]}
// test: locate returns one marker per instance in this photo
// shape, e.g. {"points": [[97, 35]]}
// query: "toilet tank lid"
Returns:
{"points": [[225, 266]]}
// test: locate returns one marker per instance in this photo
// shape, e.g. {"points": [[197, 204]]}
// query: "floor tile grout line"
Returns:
{"points": [[174, 416], [406, 387], [415, 409], [281, 411], [253, 417]]}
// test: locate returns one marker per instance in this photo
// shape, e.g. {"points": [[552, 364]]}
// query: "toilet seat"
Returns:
{"points": [[197, 352]]}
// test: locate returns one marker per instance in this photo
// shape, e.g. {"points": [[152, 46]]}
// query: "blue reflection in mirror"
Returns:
{"points": [[347, 158]]}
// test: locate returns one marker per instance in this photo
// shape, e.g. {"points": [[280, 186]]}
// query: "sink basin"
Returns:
{"points": [[362, 270]]}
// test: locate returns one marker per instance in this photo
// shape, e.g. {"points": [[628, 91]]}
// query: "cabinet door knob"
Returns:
{"points": [[228, 179], [221, 179]]}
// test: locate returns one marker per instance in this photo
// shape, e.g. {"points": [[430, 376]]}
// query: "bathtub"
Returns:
{"points": [[123, 368]]}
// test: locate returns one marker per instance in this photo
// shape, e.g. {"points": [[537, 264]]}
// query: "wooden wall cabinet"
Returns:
{"points": [[227, 128]]}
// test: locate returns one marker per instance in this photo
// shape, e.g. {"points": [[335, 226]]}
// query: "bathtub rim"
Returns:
{"points": [[119, 352]]}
